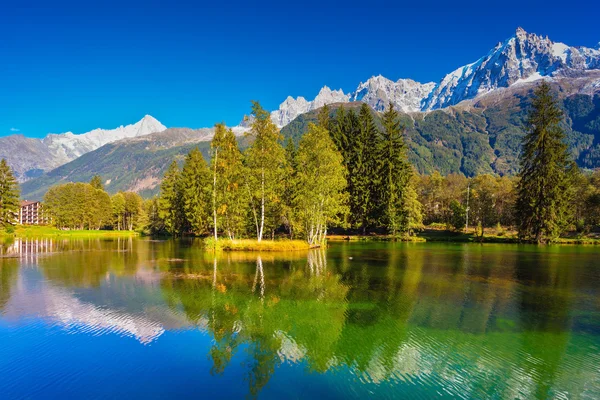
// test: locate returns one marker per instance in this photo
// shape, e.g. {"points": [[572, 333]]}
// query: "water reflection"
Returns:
{"points": [[388, 319]]}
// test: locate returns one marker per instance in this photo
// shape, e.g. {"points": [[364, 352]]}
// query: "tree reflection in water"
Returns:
{"points": [[468, 320]]}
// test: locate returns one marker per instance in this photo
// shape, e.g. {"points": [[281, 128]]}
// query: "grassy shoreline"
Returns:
{"points": [[38, 231], [427, 235]]}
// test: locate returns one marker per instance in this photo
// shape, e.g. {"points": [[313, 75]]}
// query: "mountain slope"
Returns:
{"points": [[485, 136], [30, 157], [136, 164]]}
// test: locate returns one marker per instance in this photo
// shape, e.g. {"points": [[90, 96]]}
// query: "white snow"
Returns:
{"points": [[560, 50], [68, 146], [532, 78]]}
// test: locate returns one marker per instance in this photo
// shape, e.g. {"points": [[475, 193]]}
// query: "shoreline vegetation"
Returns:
{"points": [[428, 234]]}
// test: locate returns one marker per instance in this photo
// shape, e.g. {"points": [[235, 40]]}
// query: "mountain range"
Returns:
{"points": [[523, 58], [29, 157], [469, 122]]}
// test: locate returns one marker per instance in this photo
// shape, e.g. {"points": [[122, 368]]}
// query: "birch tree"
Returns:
{"points": [[321, 182], [265, 161]]}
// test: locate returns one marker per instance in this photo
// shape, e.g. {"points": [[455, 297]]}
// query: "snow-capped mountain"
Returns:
{"points": [[406, 94], [522, 58], [68, 146], [291, 108], [30, 157]]}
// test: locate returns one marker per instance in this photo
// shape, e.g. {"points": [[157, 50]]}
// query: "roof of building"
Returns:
{"points": [[27, 202]]}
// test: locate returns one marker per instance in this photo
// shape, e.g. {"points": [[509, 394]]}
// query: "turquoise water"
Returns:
{"points": [[157, 319]]}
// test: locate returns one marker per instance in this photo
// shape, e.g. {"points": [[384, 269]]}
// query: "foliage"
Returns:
{"points": [[196, 192], [320, 182], [229, 194], [81, 206], [9, 196], [265, 163], [170, 201], [397, 199], [546, 176]]}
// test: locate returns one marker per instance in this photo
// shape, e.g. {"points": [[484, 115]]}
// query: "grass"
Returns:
{"points": [[38, 231], [254, 245]]}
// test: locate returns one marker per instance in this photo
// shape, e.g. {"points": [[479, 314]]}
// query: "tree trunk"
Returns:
{"points": [[262, 205]]}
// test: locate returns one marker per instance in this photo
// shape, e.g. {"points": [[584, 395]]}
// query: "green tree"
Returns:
{"points": [[196, 191], [290, 187], [229, 195], [96, 182], [363, 172], [170, 202], [395, 175], [134, 211], [483, 201], [265, 160], [544, 189], [9, 195], [321, 180], [118, 209]]}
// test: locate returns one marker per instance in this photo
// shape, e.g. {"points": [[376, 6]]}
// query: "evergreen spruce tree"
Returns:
{"points": [[324, 117], [265, 162], [170, 202], [394, 192], [196, 185], [544, 189], [9, 195], [96, 182], [362, 170]]}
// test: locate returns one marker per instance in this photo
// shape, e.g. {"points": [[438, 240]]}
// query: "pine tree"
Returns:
{"points": [[321, 180], [363, 171], [196, 188], [324, 118], [9, 195], [170, 202], [265, 160], [544, 189], [395, 175], [96, 182]]}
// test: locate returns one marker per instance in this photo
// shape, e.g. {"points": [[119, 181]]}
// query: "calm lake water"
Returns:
{"points": [[155, 319]]}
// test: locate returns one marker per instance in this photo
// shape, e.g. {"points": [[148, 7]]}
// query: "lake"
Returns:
{"points": [[154, 319]]}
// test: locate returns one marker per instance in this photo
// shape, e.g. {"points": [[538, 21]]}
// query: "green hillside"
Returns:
{"points": [[483, 138]]}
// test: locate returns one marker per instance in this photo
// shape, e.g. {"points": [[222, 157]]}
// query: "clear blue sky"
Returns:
{"points": [[85, 64]]}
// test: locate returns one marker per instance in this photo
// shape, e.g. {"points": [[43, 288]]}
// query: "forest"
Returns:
{"points": [[347, 174]]}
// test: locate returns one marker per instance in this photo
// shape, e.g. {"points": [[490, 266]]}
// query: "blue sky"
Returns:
{"points": [[86, 64]]}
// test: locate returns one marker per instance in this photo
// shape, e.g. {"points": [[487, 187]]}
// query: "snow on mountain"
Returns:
{"points": [[68, 146], [523, 58], [291, 108], [30, 157], [405, 94]]}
